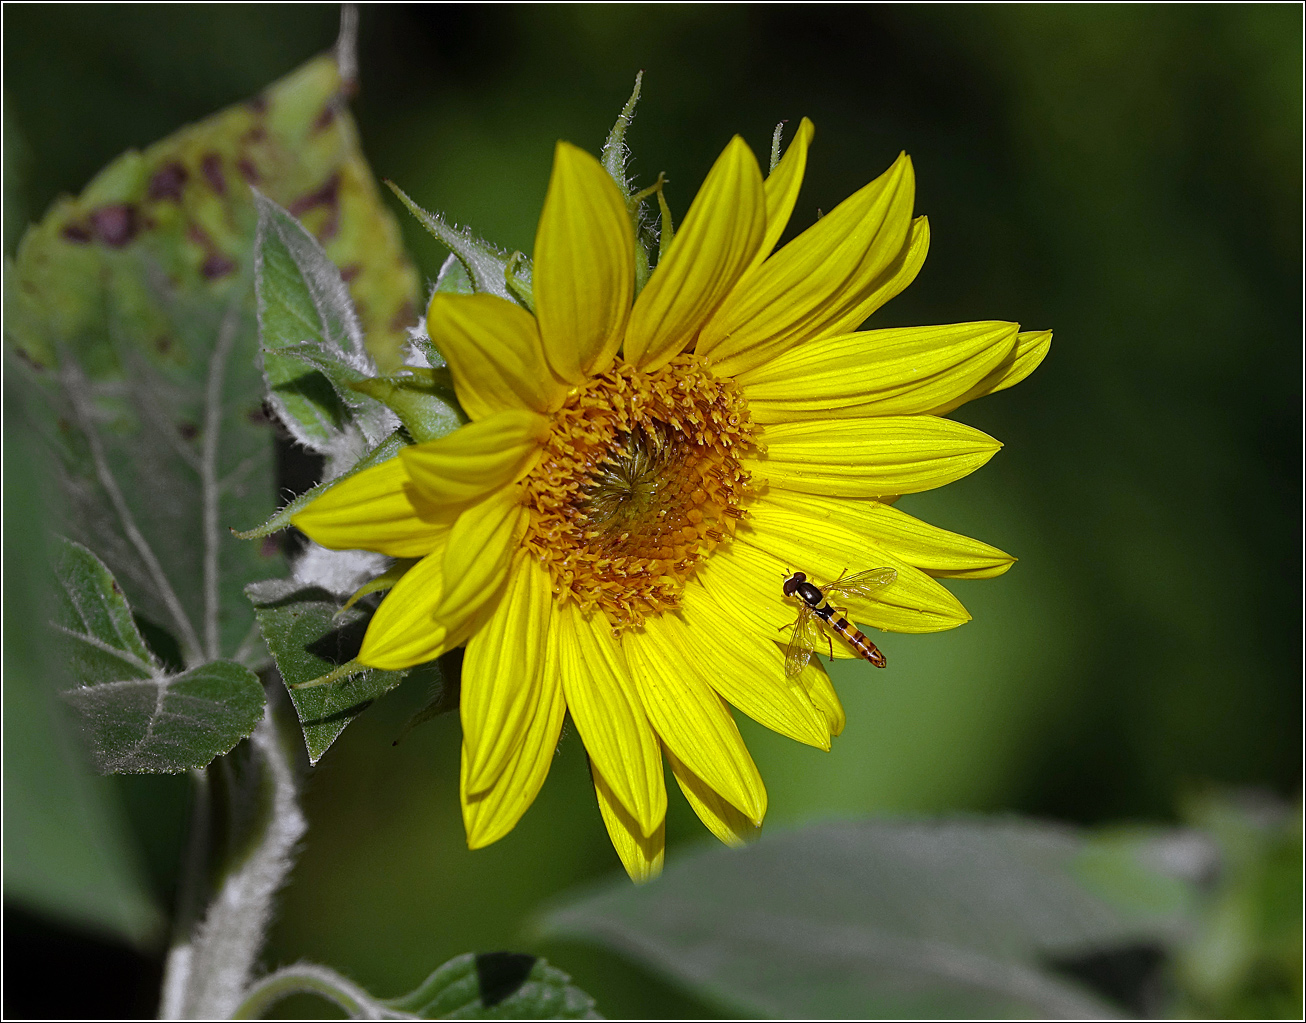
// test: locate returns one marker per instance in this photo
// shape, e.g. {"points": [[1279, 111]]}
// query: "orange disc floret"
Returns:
{"points": [[640, 478]]}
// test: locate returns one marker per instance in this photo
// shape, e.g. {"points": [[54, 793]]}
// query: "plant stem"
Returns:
{"points": [[208, 970], [191, 890], [308, 978]]}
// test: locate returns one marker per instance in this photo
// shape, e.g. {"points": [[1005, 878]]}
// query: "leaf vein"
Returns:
{"points": [[99, 644], [75, 387]]}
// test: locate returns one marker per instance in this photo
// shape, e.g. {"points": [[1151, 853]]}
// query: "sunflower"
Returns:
{"points": [[609, 532]]}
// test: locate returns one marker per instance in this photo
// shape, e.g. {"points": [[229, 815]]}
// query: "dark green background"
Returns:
{"points": [[1128, 176]]}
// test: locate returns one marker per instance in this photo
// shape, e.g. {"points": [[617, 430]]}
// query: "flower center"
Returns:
{"points": [[639, 481]]}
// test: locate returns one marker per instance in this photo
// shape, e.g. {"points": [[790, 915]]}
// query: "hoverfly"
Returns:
{"points": [[814, 602]]}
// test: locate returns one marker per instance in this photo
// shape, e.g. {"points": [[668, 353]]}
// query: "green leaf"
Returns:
{"points": [[425, 407], [312, 343], [1147, 872], [92, 613], [132, 313], [171, 723], [492, 985], [497, 985], [615, 152], [486, 265], [453, 278], [615, 158], [68, 848], [777, 137], [280, 519], [888, 919], [311, 638], [140, 719]]}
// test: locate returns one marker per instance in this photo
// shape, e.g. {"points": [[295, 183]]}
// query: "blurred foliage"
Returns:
{"points": [[949, 918], [497, 985], [79, 863], [1128, 176], [1246, 959]]}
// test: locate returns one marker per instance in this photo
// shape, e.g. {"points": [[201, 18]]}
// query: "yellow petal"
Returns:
{"points": [[746, 582], [1032, 347], [888, 284], [824, 550], [477, 458], [876, 372], [494, 353], [929, 548], [377, 509], [821, 692], [640, 854], [690, 718], [782, 186], [609, 716], [503, 672], [489, 815], [720, 236], [404, 632], [870, 457], [747, 585], [823, 281], [742, 582], [748, 673], [722, 819], [477, 555], [584, 274]]}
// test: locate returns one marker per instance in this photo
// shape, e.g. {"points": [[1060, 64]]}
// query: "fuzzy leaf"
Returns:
{"points": [[280, 519], [486, 265], [139, 718], [421, 400], [453, 278], [304, 307], [497, 985], [310, 639], [891, 919], [170, 723], [519, 276], [131, 312], [616, 153], [91, 611]]}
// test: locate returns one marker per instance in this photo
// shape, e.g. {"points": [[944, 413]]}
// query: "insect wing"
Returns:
{"points": [[801, 643], [863, 584]]}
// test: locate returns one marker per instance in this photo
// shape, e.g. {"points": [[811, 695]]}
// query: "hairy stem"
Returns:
{"points": [[208, 971], [190, 897], [311, 979], [347, 48]]}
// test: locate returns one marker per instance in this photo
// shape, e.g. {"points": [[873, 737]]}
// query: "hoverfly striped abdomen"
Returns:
{"points": [[815, 603]]}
